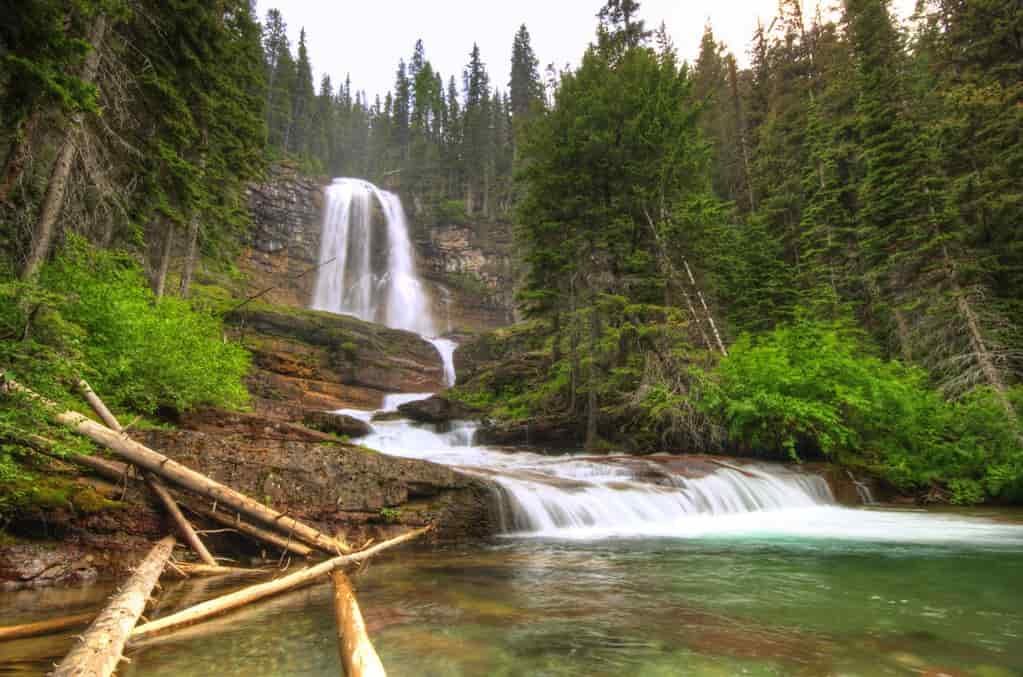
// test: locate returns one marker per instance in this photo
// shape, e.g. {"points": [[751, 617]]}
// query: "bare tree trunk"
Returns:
{"points": [[191, 252], [169, 504], [574, 348], [99, 651], [160, 283], [53, 200], [591, 397], [740, 124], [44, 627], [469, 209], [358, 657], [18, 154], [979, 345], [234, 600], [181, 475]]}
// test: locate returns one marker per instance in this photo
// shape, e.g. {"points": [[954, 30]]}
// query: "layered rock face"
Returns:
{"points": [[286, 214], [307, 360], [470, 270], [467, 268]]}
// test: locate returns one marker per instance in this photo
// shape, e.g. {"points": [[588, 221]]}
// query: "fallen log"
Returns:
{"points": [[169, 504], [206, 571], [99, 651], [220, 605], [181, 475], [270, 537], [358, 657], [118, 472], [47, 627], [183, 525]]}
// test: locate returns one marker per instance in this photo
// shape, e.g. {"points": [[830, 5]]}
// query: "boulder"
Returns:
{"points": [[437, 409], [337, 424], [559, 433]]}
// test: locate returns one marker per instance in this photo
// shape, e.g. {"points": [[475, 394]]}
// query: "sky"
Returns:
{"points": [[366, 38]]}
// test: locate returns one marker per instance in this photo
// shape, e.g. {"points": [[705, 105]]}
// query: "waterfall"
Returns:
{"points": [[370, 274], [571, 495], [446, 348]]}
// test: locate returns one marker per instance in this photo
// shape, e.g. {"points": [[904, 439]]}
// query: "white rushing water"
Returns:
{"points": [[371, 271], [586, 497], [372, 275]]}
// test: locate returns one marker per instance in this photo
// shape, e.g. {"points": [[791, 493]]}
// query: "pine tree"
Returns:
{"points": [[525, 86], [303, 102]]}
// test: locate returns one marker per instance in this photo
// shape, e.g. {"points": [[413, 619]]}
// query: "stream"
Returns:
{"points": [[610, 565]]}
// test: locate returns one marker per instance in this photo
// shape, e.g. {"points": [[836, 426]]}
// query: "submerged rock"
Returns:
{"points": [[437, 409]]}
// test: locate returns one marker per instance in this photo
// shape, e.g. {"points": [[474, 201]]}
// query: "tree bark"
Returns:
{"points": [[99, 651], [191, 251], [183, 525], [220, 605], [182, 476], [160, 284], [358, 657], [269, 537], [169, 504], [53, 200], [45, 627], [206, 571], [118, 472], [18, 155], [591, 396]]}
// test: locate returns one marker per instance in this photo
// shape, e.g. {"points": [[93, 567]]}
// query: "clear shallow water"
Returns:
{"points": [[726, 606], [618, 566]]}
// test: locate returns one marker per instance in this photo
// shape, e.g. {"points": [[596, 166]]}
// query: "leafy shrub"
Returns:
{"points": [[145, 354], [810, 387], [92, 315]]}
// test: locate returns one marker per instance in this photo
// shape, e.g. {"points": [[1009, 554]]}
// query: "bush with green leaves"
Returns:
{"points": [[91, 315], [143, 354], [818, 387]]}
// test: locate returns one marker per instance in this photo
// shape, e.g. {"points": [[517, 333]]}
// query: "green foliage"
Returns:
{"points": [[91, 315], [145, 354], [814, 387]]}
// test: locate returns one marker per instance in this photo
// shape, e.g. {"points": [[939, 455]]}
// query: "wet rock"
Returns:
{"points": [[338, 424], [550, 432], [339, 486], [437, 409], [31, 565]]}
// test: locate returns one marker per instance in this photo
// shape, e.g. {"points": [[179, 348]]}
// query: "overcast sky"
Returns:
{"points": [[367, 37]]}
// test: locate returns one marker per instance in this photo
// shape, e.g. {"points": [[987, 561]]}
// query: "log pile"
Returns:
{"points": [[100, 648]]}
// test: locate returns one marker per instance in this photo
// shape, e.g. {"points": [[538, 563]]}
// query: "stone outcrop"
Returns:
{"points": [[286, 215], [337, 424], [437, 409], [314, 361], [470, 270], [304, 473]]}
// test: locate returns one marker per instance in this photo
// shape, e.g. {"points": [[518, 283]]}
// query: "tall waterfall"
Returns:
{"points": [[371, 273]]}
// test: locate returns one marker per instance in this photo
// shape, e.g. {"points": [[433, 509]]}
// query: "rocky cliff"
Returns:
{"points": [[467, 266]]}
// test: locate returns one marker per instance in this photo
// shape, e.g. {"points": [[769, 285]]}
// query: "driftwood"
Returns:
{"points": [[220, 605], [358, 657], [45, 627], [270, 537], [169, 504], [119, 472], [206, 571], [184, 526], [183, 476], [99, 651]]}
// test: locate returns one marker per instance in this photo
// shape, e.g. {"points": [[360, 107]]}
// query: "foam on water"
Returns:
{"points": [[586, 497]]}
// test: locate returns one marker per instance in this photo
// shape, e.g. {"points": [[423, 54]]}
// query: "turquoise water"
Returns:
{"points": [[709, 606]]}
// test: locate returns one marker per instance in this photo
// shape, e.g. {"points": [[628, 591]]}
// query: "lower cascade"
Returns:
{"points": [[583, 497]]}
